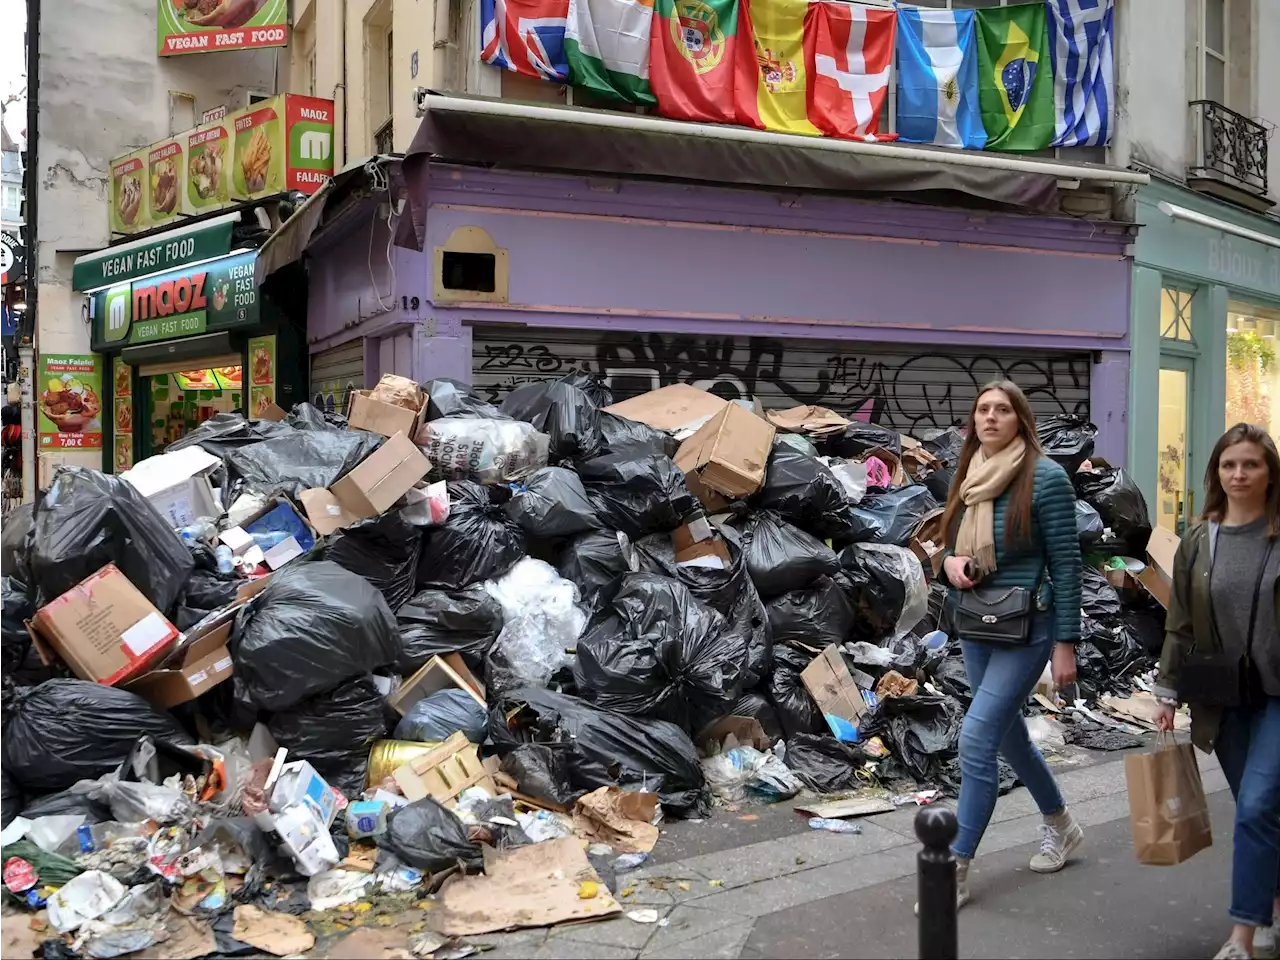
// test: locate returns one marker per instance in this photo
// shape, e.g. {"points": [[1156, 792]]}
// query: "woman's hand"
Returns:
{"points": [[1164, 718], [1064, 665], [954, 569]]}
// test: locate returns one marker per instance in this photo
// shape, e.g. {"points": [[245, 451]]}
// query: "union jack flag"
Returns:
{"points": [[525, 36]]}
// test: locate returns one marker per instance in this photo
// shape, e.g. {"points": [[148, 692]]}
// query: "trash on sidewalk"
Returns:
{"points": [[833, 826], [275, 933], [623, 820], [446, 771], [840, 809]]}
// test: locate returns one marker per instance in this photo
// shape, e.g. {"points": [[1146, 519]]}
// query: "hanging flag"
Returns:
{"points": [[1015, 78], [525, 36], [607, 43], [847, 52], [938, 78], [769, 89], [1084, 90], [691, 62]]}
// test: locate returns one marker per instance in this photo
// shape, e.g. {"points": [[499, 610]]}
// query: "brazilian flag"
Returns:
{"points": [[1015, 77]]}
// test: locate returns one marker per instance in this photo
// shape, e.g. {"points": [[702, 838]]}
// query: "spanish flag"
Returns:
{"points": [[770, 88]]}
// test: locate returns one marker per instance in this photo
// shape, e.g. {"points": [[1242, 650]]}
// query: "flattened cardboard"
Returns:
{"points": [[177, 485], [673, 409], [104, 629], [1157, 576], [832, 686], [271, 412], [812, 420], [698, 540], [324, 512], [383, 478], [729, 453], [382, 418], [745, 730]]}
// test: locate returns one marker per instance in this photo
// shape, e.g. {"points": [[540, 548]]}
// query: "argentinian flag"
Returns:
{"points": [[938, 79]]}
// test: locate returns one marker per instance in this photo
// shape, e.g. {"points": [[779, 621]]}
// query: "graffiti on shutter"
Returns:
{"points": [[898, 385], [335, 374]]}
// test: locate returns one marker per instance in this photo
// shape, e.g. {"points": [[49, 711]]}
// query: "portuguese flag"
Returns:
{"points": [[691, 58], [1015, 77], [770, 88]]}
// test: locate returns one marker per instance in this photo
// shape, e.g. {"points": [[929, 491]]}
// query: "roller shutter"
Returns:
{"points": [[907, 387], [335, 373]]}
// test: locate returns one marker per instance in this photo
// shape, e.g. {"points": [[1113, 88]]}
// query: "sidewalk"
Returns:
{"points": [[815, 894]]}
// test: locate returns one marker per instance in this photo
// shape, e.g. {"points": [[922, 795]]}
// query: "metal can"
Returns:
{"points": [[386, 756]]}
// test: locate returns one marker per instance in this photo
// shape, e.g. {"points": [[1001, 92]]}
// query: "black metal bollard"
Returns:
{"points": [[936, 879]]}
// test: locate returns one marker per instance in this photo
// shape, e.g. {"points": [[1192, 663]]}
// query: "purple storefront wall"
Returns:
{"points": [[639, 257]]}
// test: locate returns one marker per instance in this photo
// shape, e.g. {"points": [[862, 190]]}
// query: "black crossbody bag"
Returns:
{"points": [[1000, 616], [1213, 679]]}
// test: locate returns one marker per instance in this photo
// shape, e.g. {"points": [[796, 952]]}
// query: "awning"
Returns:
{"points": [[507, 135], [180, 247], [1175, 212]]}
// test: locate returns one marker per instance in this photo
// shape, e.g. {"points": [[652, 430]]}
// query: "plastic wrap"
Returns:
{"points": [[802, 490], [89, 519], [552, 503], [890, 517], [637, 492], [1067, 439], [481, 449], [442, 714], [439, 622], [888, 589], [569, 418], [541, 619], [478, 541], [781, 557], [818, 615], [314, 626]]}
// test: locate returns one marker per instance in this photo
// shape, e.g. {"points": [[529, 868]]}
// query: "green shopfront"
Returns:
{"points": [[186, 333], [1205, 335]]}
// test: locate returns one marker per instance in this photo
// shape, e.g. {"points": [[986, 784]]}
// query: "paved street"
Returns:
{"points": [[769, 887]]}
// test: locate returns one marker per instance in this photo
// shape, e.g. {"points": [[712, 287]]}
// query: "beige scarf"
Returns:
{"points": [[988, 477]]}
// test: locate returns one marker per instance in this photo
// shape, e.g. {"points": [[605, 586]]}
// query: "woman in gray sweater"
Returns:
{"points": [[1226, 604]]}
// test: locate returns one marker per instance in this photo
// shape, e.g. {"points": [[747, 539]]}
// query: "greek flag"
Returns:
{"points": [[938, 78], [1080, 33]]}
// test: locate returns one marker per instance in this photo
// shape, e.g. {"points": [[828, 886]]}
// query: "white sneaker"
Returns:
{"points": [[1232, 951], [1264, 941], [962, 885], [1058, 837]]}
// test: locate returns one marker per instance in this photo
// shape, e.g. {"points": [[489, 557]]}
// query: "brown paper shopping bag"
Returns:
{"points": [[1167, 808]]}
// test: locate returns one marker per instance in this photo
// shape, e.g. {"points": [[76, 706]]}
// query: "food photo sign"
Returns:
{"points": [[69, 405], [208, 26]]}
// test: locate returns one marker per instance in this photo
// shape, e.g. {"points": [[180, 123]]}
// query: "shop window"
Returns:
{"points": [[1175, 314], [1253, 373]]}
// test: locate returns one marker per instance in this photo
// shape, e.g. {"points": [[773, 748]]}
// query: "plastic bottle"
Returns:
{"points": [[226, 559]]}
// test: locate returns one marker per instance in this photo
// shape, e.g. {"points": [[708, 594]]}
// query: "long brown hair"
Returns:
{"points": [[1215, 497], [1017, 524]]}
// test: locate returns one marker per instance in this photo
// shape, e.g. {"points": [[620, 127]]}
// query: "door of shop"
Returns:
{"points": [[906, 387], [1176, 502]]}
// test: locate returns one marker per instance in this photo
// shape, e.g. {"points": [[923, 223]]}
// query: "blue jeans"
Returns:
{"points": [[1249, 751], [1001, 679]]}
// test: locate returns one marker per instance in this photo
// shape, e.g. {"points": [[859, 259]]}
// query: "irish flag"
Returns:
{"points": [[848, 51], [691, 58], [770, 88], [607, 43]]}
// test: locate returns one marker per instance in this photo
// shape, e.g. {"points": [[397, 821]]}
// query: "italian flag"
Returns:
{"points": [[607, 45], [770, 87], [691, 58]]}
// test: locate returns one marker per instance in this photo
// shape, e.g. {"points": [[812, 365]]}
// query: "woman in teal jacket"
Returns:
{"points": [[1010, 522]]}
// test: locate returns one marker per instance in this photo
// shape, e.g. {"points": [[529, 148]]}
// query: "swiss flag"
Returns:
{"points": [[848, 51]]}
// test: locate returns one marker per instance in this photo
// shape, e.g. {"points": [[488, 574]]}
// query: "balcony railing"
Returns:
{"points": [[384, 138], [1230, 147]]}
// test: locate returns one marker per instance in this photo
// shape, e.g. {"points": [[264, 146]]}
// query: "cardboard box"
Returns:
{"points": [[201, 662], [324, 512], [927, 541], [177, 484], [831, 685], [728, 454], [436, 675], [446, 771], [697, 542], [104, 629], [385, 419], [383, 478], [1157, 576], [674, 409], [299, 784]]}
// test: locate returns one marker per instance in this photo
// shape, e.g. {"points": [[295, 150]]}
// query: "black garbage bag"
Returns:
{"points": [[301, 459], [592, 384], [945, 443], [68, 730], [453, 398], [781, 557], [314, 626], [439, 622], [224, 433], [948, 776], [949, 675], [653, 649], [333, 731], [15, 609], [860, 439], [938, 481], [68, 802], [824, 763], [564, 413], [1148, 624], [756, 705], [802, 490], [727, 590], [552, 503], [878, 591], [818, 615], [305, 416], [605, 748], [1089, 524], [1093, 673], [13, 542], [1098, 598], [592, 561], [1121, 646], [10, 798], [425, 835], [797, 711], [890, 517], [385, 551], [207, 590], [637, 492], [544, 771], [478, 541], [442, 714], [1112, 492], [89, 519], [1067, 439], [617, 434], [923, 732]]}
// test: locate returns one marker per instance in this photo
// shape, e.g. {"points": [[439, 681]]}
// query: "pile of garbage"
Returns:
{"points": [[351, 653]]}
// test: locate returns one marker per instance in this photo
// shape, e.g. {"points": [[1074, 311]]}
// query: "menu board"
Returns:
{"points": [[69, 403]]}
